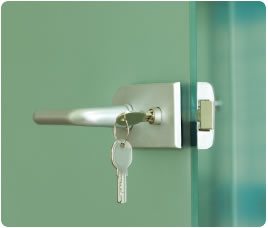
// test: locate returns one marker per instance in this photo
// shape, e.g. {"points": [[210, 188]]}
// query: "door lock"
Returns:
{"points": [[155, 112], [154, 109]]}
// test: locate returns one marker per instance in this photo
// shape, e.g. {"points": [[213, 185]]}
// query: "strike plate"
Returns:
{"points": [[206, 110], [167, 97]]}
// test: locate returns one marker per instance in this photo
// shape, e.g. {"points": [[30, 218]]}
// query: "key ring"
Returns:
{"points": [[128, 129]]}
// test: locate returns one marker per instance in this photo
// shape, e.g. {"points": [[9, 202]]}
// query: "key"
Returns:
{"points": [[122, 159]]}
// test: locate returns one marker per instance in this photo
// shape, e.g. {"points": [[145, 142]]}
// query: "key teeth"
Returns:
{"points": [[122, 189]]}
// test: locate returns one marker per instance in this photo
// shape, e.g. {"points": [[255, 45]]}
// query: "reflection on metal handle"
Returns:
{"points": [[101, 117]]}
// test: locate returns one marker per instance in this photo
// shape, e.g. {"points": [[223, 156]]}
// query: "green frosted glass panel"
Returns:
{"points": [[231, 55], [73, 55]]}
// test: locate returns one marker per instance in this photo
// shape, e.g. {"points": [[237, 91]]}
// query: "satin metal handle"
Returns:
{"points": [[99, 117]]}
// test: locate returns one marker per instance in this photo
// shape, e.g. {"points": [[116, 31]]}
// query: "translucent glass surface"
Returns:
{"points": [[65, 55], [231, 55]]}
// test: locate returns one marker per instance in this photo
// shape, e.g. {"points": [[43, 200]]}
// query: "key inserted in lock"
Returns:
{"points": [[153, 116]]}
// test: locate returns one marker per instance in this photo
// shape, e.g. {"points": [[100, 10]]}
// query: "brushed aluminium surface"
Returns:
{"points": [[142, 97]]}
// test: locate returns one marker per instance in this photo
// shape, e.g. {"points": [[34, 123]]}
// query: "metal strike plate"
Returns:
{"points": [[166, 97], [206, 115], [205, 112]]}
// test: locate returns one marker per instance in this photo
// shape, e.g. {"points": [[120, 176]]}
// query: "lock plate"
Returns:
{"points": [[206, 115], [142, 97]]}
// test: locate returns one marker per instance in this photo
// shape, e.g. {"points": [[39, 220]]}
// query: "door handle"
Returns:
{"points": [[154, 109], [157, 104], [99, 117]]}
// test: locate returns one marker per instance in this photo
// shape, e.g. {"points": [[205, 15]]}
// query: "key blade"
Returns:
{"points": [[121, 159], [122, 188], [131, 117]]}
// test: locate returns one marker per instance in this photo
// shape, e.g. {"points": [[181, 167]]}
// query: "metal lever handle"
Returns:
{"points": [[101, 117]]}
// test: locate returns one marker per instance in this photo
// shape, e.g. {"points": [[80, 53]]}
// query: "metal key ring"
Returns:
{"points": [[128, 130]]}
